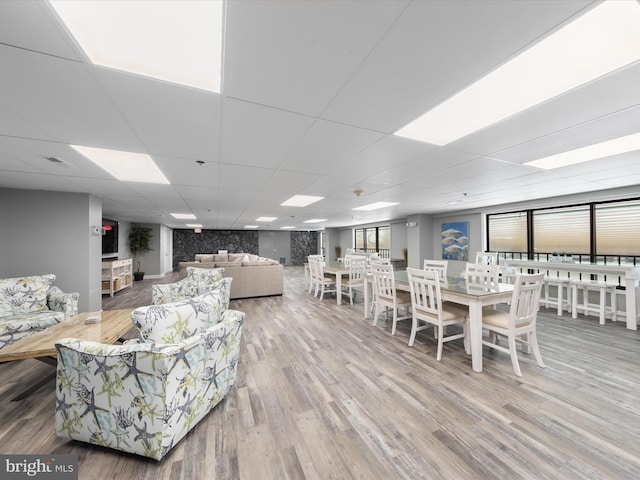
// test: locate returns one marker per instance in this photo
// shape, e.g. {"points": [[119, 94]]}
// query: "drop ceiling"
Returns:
{"points": [[312, 93]]}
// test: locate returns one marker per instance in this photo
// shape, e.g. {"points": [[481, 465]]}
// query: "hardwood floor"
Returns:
{"points": [[322, 394]]}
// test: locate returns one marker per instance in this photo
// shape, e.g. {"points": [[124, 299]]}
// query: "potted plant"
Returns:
{"points": [[139, 243]]}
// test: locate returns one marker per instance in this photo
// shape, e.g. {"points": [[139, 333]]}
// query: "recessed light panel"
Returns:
{"points": [[287, 228], [184, 216], [176, 41], [193, 225], [375, 206], [251, 226], [125, 166], [604, 39], [266, 219], [316, 220], [616, 146], [300, 201]]}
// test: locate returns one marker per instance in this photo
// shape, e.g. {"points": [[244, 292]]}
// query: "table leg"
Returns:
{"points": [[631, 294], [367, 293], [475, 334], [339, 288]]}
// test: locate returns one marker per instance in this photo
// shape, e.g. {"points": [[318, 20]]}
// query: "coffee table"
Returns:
{"points": [[42, 345]]}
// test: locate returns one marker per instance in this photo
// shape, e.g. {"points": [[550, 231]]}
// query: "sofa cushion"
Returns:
{"points": [[13, 328], [26, 294], [220, 257], [228, 264], [206, 276], [259, 263], [175, 322], [204, 257]]}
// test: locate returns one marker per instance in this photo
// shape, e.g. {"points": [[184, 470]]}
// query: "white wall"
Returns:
{"points": [[50, 232]]}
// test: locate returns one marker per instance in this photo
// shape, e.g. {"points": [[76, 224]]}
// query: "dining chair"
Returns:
{"points": [[386, 296], [427, 307], [324, 284], [311, 259], [487, 258], [357, 274], [519, 323], [482, 275], [441, 266]]}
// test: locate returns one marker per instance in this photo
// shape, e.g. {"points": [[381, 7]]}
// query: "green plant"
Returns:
{"points": [[140, 241]]}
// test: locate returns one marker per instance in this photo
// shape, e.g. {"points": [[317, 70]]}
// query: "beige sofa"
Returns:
{"points": [[253, 276]]}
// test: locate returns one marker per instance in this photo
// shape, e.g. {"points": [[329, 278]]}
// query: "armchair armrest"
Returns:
{"points": [[58, 301]]}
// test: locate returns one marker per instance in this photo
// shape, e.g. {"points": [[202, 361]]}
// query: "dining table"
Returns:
{"points": [[339, 269], [457, 290]]}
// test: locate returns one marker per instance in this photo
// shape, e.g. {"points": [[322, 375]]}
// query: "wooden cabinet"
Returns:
{"points": [[116, 275]]}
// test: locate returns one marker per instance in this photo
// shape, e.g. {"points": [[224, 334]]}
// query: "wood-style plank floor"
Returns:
{"points": [[322, 394]]}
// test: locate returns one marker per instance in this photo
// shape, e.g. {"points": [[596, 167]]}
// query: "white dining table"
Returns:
{"points": [[338, 269], [456, 290]]}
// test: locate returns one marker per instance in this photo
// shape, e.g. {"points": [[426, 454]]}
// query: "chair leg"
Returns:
{"points": [[414, 330], [395, 320], [514, 355], [376, 312], [440, 342], [533, 343], [574, 301]]}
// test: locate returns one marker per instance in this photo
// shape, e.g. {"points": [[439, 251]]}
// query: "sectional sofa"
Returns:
{"points": [[253, 276]]}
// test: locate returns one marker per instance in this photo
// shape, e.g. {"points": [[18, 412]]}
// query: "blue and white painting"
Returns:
{"points": [[455, 241]]}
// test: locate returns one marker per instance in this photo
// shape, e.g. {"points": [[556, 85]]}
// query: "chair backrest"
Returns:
{"points": [[426, 298], [384, 283], [357, 270], [525, 300], [482, 275], [315, 261], [487, 258], [441, 266]]}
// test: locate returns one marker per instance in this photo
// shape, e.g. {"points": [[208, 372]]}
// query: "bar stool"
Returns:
{"points": [[603, 289], [554, 278]]}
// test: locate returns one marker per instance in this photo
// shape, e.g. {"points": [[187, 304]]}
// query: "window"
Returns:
{"points": [[604, 232], [373, 239], [618, 228], [508, 232], [562, 230]]}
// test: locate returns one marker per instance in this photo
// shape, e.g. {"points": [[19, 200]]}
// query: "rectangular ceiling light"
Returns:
{"points": [[266, 219], [125, 166], [315, 220], [375, 206], [616, 146], [193, 225], [300, 201], [184, 216], [175, 41], [288, 227], [251, 226], [604, 39]]}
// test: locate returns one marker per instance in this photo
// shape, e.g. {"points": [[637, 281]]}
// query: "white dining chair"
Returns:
{"points": [[482, 275], [487, 258], [357, 274], [519, 323], [387, 298], [441, 266], [324, 283], [428, 310]]}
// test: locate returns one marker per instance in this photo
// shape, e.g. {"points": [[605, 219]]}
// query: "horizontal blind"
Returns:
{"points": [[562, 230], [508, 232], [618, 228]]}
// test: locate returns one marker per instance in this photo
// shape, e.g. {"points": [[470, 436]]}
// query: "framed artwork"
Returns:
{"points": [[455, 241]]}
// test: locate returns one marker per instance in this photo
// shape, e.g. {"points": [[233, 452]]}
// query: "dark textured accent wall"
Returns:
{"points": [[303, 244], [186, 243]]}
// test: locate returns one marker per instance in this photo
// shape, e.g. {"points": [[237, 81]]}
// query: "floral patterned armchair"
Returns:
{"points": [[197, 282], [30, 304], [144, 397]]}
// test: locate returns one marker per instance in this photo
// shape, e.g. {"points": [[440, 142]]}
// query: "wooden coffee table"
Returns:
{"points": [[42, 345]]}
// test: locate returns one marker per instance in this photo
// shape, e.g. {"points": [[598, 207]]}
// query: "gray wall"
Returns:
{"points": [[50, 232]]}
